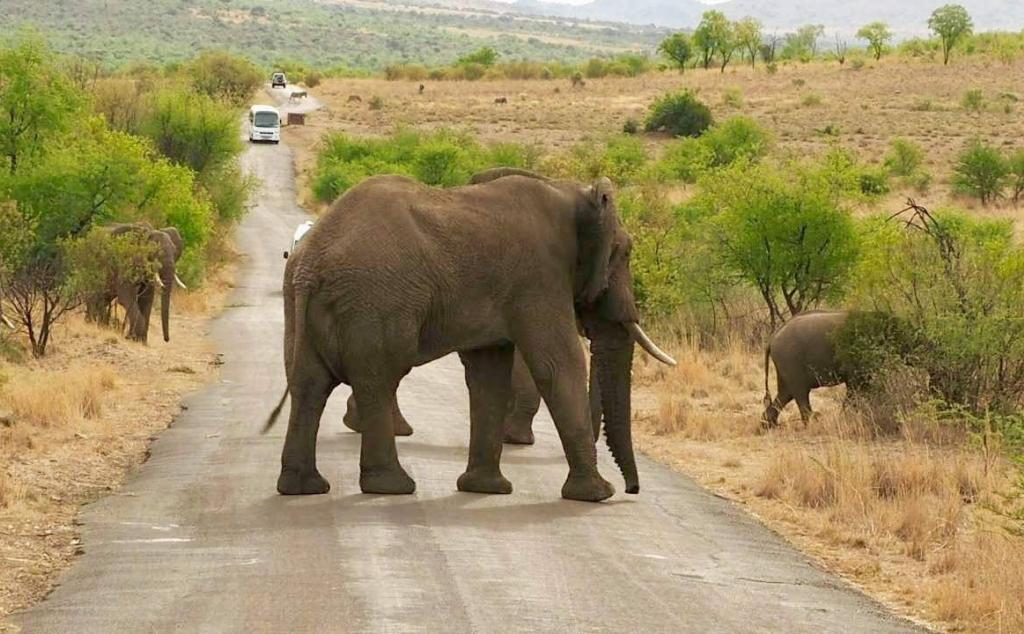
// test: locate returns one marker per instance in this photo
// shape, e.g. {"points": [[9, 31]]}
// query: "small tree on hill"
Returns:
{"points": [[951, 24], [878, 37], [485, 56], [748, 37], [711, 34], [678, 49]]}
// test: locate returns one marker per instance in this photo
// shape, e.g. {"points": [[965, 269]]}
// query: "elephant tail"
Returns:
{"points": [[767, 390], [276, 413]]}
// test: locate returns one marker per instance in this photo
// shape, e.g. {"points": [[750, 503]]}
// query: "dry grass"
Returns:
{"points": [[926, 522], [74, 423], [915, 101]]}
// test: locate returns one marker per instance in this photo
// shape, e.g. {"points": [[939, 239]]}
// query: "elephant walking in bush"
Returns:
{"points": [[137, 296], [398, 274], [804, 354]]}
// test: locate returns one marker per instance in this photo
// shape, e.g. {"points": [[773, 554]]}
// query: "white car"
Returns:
{"points": [[264, 124], [300, 231]]}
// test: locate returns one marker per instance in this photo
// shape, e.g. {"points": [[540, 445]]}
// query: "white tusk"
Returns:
{"points": [[645, 342], [159, 282], [7, 322], [177, 280]]}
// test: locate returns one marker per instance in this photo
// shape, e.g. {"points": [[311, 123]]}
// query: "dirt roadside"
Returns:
{"points": [[76, 423]]}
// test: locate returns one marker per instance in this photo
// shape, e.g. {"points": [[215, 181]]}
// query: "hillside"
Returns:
{"points": [[366, 34], [908, 17]]}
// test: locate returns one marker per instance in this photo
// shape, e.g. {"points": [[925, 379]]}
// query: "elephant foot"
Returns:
{"points": [[402, 427], [292, 482], [484, 481], [587, 488], [386, 480], [518, 436]]}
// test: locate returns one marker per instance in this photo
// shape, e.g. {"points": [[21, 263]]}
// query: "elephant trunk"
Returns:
{"points": [[612, 350], [165, 309]]}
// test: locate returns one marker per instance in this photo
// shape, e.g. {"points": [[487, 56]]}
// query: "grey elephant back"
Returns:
{"points": [[803, 349]]}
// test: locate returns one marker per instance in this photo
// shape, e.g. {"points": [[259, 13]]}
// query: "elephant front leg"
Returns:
{"points": [[489, 377], [559, 369], [379, 469]]}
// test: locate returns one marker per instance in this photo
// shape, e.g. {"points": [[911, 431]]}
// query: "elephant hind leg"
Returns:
{"points": [[488, 376], [351, 419], [310, 387], [525, 402], [379, 469], [803, 401], [770, 419]]}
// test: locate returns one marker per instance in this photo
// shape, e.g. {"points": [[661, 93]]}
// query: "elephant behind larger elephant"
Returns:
{"points": [[398, 274]]}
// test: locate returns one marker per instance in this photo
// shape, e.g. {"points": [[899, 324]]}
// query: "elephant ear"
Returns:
{"points": [[175, 237], [596, 225]]}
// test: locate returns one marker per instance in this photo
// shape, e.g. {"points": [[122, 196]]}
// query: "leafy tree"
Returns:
{"points": [[485, 56], [192, 129], [36, 99], [981, 171], [221, 75], [712, 36], [878, 36], [803, 45], [749, 38], [783, 232], [1016, 169], [678, 49], [951, 23]]}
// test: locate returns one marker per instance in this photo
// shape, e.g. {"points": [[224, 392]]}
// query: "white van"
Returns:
{"points": [[264, 124], [300, 232]]}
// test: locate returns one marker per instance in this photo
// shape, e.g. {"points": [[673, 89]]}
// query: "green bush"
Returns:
{"points": [[631, 126], [874, 182], [680, 114], [221, 75], [1015, 166], [686, 160], [980, 171], [973, 101], [312, 79], [192, 129], [735, 138], [904, 157]]}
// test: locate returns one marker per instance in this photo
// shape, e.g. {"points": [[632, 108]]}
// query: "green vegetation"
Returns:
{"points": [[981, 171], [951, 24], [678, 49], [878, 36], [81, 155], [332, 38], [679, 114]]}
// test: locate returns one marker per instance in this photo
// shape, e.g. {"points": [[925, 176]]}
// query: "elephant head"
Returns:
{"points": [[136, 296], [606, 306]]}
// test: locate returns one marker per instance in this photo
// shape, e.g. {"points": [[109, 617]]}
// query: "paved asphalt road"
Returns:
{"points": [[198, 540]]}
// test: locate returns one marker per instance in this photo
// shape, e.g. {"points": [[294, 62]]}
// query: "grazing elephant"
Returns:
{"points": [[805, 358], [397, 274], [137, 296]]}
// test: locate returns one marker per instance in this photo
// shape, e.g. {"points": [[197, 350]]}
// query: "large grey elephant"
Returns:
{"points": [[397, 274], [137, 296], [804, 356]]}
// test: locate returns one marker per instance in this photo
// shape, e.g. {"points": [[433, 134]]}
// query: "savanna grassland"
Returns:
{"points": [[918, 507]]}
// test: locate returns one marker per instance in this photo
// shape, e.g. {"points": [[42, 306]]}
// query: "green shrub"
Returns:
{"points": [[376, 103], [973, 101], [980, 171], [874, 182], [680, 114], [221, 75], [312, 79], [735, 138], [1015, 167], [687, 160], [811, 100], [631, 126], [904, 157], [733, 98]]}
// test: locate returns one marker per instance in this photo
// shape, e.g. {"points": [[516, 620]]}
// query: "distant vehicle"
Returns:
{"points": [[278, 79], [300, 232], [264, 124]]}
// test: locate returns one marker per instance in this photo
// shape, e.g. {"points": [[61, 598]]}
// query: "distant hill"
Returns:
{"points": [[906, 17]]}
